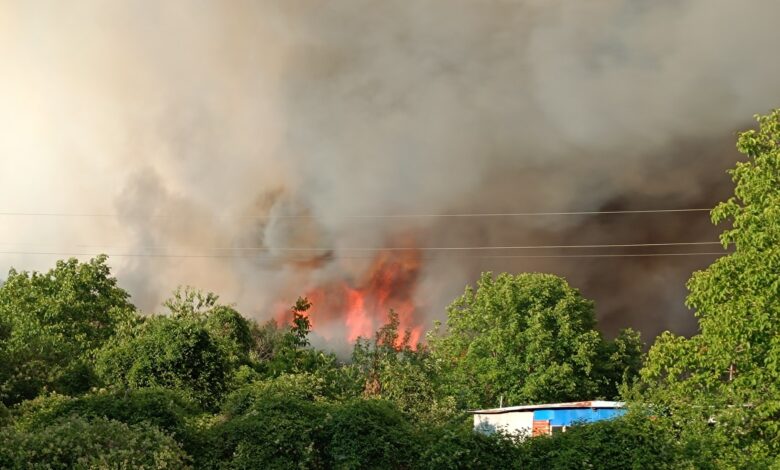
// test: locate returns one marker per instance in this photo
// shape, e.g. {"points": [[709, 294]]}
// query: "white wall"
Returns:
{"points": [[519, 422]]}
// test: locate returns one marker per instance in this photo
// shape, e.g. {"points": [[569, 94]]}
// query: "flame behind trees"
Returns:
{"points": [[360, 307]]}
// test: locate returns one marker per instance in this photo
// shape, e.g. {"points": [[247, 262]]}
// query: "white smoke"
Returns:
{"points": [[208, 124]]}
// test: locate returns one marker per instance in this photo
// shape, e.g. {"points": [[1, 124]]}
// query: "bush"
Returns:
{"points": [[370, 434], [166, 352], [51, 323], [76, 442], [167, 410], [305, 387], [456, 445], [635, 441], [273, 432]]}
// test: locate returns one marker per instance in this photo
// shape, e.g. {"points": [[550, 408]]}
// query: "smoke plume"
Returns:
{"points": [[263, 149]]}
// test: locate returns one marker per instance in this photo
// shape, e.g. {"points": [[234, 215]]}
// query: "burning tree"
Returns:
{"points": [[362, 305]]}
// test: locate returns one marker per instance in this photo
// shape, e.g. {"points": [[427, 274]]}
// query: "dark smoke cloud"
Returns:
{"points": [[208, 126]]}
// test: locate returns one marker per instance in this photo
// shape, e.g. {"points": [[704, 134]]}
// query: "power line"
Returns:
{"points": [[400, 248], [375, 216], [244, 256]]}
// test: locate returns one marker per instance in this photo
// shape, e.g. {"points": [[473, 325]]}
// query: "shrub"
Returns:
{"points": [[274, 432], [370, 434], [75, 442]]}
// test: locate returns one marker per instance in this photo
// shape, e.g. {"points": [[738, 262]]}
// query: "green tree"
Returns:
{"points": [[392, 370], [528, 338], [291, 352], [52, 323], [176, 353], [229, 329], [455, 445], [729, 373]]}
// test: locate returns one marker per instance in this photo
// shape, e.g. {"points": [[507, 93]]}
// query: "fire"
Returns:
{"points": [[362, 306]]}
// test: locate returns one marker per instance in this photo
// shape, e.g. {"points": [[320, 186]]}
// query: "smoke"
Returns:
{"points": [[229, 135]]}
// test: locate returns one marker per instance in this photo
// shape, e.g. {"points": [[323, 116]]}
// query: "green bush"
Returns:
{"points": [[273, 432], [457, 446], [176, 353], [305, 387], [635, 441], [370, 434], [75, 442], [167, 410]]}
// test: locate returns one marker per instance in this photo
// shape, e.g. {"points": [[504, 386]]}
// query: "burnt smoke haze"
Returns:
{"points": [[222, 128]]}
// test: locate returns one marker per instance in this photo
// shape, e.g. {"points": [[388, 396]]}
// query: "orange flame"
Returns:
{"points": [[363, 306]]}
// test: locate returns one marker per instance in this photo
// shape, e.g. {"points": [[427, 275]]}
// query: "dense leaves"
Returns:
{"points": [[529, 338], [281, 432], [168, 410], [75, 442], [635, 441], [166, 352], [729, 373], [391, 369], [52, 323], [369, 433]]}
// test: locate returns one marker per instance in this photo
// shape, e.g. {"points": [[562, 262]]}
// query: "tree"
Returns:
{"points": [[177, 353], [528, 338], [51, 324], [230, 330], [456, 446], [291, 352], [729, 373], [392, 370]]}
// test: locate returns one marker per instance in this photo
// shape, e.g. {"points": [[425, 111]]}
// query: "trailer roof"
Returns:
{"points": [[569, 405]]}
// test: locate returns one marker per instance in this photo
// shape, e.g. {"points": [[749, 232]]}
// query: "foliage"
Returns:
{"points": [[456, 446], [266, 339], [730, 372], [175, 353], [75, 442], [167, 410], [290, 352], [231, 332], [51, 324], [272, 431], [369, 434], [307, 387], [636, 441], [390, 369], [228, 328], [301, 326], [528, 338]]}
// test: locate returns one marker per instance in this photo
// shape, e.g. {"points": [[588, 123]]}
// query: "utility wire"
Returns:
{"points": [[402, 248], [376, 216], [244, 256]]}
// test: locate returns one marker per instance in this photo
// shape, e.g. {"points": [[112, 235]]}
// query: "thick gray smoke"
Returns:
{"points": [[238, 130]]}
